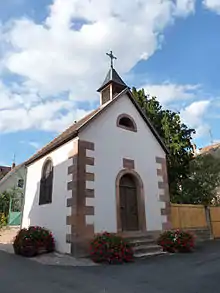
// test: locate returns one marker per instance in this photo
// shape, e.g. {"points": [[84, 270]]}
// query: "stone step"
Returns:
{"points": [[142, 241], [141, 236], [149, 254], [144, 244], [146, 249]]}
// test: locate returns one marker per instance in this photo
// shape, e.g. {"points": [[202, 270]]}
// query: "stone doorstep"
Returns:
{"points": [[149, 254], [142, 241], [144, 244], [133, 236], [147, 249]]}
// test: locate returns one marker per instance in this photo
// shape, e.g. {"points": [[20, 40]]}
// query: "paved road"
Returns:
{"points": [[192, 273]]}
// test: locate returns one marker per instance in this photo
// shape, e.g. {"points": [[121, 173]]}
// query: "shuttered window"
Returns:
{"points": [[46, 183]]}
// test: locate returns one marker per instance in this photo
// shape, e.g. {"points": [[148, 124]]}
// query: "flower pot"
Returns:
{"points": [[184, 249], [50, 247], [169, 249], [115, 261], [28, 251]]}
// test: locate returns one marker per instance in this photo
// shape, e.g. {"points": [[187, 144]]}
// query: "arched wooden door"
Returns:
{"points": [[128, 203]]}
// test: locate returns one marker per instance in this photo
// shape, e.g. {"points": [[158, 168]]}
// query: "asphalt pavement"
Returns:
{"points": [[196, 272]]}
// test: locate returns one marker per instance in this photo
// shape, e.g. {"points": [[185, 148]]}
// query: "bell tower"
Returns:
{"points": [[112, 85]]}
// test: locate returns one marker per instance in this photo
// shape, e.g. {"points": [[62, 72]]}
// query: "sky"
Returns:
{"points": [[52, 60]]}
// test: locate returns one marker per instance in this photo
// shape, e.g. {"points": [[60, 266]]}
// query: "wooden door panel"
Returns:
{"points": [[132, 211], [128, 208], [123, 208]]}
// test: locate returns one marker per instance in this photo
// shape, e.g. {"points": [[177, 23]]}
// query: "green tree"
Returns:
{"points": [[5, 202], [201, 187], [176, 135]]}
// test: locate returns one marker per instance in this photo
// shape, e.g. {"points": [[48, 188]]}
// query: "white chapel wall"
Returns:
{"points": [[51, 216], [112, 144]]}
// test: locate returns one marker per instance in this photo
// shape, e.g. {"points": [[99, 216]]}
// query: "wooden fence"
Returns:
{"points": [[188, 216], [215, 221]]}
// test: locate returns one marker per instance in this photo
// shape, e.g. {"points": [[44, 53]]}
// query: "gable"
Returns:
{"points": [[74, 129], [124, 103], [10, 181], [107, 119]]}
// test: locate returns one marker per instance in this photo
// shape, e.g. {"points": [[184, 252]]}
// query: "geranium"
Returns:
{"points": [[176, 240], [29, 242], [111, 248]]}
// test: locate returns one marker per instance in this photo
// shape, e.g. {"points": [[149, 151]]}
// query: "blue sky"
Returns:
{"points": [[52, 60]]}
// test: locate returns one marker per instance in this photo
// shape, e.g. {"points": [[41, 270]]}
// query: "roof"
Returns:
{"points": [[74, 129], [11, 172], [4, 170], [65, 136], [209, 148], [112, 76]]}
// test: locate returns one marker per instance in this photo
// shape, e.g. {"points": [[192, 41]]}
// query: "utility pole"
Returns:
{"points": [[211, 136]]}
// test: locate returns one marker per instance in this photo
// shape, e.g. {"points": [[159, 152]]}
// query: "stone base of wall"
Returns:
{"points": [[201, 234]]}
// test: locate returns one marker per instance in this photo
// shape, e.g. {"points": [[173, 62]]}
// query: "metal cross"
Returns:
{"points": [[112, 57]]}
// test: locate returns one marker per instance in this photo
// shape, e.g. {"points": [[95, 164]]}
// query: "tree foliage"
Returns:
{"points": [[201, 187], [5, 202], [176, 135]]}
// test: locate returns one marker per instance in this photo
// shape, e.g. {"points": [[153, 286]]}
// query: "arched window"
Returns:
{"points": [[46, 183], [126, 122]]}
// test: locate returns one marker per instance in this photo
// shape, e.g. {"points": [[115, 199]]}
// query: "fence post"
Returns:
{"points": [[208, 220]]}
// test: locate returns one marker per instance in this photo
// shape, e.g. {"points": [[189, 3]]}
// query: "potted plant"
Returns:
{"points": [[176, 241], [184, 241], [32, 241], [111, 248], [166, 241]]}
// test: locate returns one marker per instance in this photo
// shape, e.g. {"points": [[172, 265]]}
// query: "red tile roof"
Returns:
{"points": [[209, 148], [4, 170]]}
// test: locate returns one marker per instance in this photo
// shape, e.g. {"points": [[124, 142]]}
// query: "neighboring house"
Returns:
{"points": [[107, 172], [4, 170], [213, 149], [15, 179], [14, 182]]}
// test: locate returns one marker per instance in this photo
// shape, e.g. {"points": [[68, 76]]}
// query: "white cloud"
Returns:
{"points": [[193, 116], [184, 7], [34, 144], [213, 5], [53, 58], [44, 116], [168, 92]]}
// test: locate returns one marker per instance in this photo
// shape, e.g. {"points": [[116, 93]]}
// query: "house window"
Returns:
{"points": [[46, 183], [126, 122], [21, 183]]}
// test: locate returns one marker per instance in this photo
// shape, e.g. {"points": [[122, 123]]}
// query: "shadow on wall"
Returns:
{"points": [[52, 215]]}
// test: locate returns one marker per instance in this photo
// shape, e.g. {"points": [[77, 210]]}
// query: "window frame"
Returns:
{"points": [[46, 184], [20, 185], [134, 125]]}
